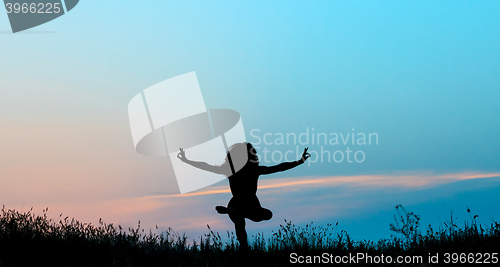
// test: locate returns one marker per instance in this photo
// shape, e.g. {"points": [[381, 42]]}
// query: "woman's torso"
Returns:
{"points": [[244, 183]]}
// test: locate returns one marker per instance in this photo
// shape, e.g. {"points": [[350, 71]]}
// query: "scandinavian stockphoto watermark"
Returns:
{"points": [[324, 147], [26, 14]]}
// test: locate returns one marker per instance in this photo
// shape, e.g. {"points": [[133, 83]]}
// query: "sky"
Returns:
{"points": [[420, 75]]}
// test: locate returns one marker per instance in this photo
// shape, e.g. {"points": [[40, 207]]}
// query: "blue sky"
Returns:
{"points": [[423, 75]]}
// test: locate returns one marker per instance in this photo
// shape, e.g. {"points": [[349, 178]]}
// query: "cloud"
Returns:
{"points": [[415, 180]]}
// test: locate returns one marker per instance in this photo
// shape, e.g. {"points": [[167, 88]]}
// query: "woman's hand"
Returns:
{"points": [[305, 155], [182, 155]]}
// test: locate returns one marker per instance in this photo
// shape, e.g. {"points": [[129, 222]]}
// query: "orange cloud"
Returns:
{"points": [[395, 180]]}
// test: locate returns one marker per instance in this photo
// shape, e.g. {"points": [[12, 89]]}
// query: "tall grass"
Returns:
{"points": [[27, 239]]}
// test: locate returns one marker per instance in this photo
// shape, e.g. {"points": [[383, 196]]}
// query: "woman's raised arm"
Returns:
{"points": [[285, 165], [199, 164]]}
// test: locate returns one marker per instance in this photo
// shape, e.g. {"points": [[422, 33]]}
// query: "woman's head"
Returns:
{"points": [[241, 155], [252, 154]]}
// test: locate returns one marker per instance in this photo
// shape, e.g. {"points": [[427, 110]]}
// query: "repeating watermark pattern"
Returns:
{"points": [[323, 146], [171, 115], [26, 14]]}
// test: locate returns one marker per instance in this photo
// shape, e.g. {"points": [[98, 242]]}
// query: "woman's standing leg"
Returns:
{"points": [[239, 226], [234, 210]]}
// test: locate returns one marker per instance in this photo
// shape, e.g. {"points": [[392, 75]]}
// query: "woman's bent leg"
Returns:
{"points": [[260, 214], [256, 212]]}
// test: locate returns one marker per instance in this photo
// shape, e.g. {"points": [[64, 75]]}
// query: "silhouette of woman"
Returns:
{"points": [[243, 184]]}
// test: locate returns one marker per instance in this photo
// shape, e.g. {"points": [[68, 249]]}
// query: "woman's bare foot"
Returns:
{"points": [[224, 210], [221, 209]]}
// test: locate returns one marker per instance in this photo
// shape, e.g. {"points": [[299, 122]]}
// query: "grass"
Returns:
{"points": [[27, 239]]}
